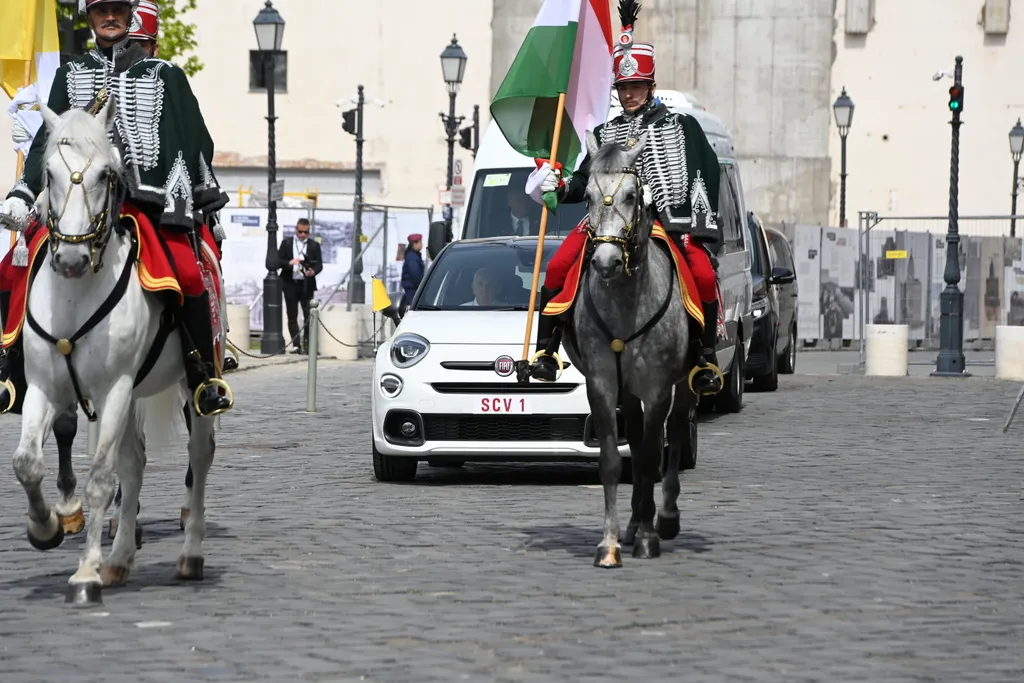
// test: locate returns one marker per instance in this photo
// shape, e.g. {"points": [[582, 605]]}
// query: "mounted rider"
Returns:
{"points": [[167, 153], [680, 169]]}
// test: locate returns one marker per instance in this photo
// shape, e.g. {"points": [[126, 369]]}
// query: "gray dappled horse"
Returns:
{"points": [[631, 340]]}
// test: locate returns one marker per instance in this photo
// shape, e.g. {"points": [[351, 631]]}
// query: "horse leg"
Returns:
{"points": [[648, 467], [86, 585], [45, 527], [201, 448], [678, 440], [634, 418], [188, 474], [602, 407], [65, 427], [131, 462]]}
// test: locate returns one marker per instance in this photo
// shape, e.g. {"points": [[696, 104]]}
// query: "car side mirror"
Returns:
{"points": [[782, 276], [437, 238]]}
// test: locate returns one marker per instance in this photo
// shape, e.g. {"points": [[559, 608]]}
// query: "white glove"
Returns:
{"points": [[14, 214], [544, 179]]}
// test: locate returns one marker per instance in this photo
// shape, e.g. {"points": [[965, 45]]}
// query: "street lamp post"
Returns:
{"points": [[269, 27], [950, 361], [843, 109], [453, 68], [1016, 147]]}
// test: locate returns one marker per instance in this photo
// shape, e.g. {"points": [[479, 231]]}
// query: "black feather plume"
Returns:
{"points": [[628, 10]]}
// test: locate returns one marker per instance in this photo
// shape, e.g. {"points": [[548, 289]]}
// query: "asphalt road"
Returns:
{"points": [[839, 529]]}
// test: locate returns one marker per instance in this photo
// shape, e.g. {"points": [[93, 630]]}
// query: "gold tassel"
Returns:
{"points": [[20, 257]]}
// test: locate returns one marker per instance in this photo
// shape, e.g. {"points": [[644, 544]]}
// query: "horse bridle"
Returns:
{"points": [[628, 242], [100, 224]]}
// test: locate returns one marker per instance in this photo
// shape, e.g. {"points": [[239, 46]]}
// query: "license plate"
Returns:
{"points": [[497, 405]]}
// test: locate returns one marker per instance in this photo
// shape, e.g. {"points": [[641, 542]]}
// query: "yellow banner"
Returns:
{"points": [[28, 42]]}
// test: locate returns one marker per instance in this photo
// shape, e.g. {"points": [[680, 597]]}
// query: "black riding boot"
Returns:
{"points": [[707, 380], [199, 367], [549, 338]]}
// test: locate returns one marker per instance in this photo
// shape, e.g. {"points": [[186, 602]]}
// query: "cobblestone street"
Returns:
{"points": [[841, 529]]}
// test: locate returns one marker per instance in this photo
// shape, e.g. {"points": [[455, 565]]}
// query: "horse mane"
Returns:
{"points": [[81, 131]]}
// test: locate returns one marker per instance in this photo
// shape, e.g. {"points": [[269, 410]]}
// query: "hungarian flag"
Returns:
{"points": [[568, 50]]}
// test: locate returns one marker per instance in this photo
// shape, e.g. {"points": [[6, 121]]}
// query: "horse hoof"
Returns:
{"points": [[51, 543], [608, 558], [138, 537], [84, 594], [183, 518], [112, 527], [74, 522], [647, 548], [667, 527], [190, 568], [630, 535], [113, 576]]}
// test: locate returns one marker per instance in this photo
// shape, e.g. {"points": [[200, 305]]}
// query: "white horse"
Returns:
{"points": [[92, 267]]}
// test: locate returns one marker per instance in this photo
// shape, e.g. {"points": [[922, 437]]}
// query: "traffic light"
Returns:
{"points": [[956, 98], [466, 137], [348, 121]]}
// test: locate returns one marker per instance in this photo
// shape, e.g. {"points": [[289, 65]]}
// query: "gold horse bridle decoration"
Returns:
{"points": [[99, 223], [625, 243]]}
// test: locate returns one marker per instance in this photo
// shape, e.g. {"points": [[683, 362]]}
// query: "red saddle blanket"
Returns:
{"points": [[165, 263], [563, 301]]}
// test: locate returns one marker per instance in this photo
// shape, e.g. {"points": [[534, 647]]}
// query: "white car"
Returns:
{"points": [[444, 385]]}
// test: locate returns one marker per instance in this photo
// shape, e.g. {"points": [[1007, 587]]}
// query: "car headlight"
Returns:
{"points": [[390, 385], [760, 308], [408, 350]]}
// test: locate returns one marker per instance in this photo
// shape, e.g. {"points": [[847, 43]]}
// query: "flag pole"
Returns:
{"points": [[543, 228]]}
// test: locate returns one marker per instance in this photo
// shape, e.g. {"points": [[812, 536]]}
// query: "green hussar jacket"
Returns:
{"points": [[678, 163], [159, 130]]}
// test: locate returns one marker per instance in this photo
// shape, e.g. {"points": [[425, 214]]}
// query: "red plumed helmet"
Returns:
{"points": [[632, 61]]}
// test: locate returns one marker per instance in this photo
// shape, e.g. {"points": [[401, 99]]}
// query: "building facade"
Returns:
{"points": [[771, 70]]}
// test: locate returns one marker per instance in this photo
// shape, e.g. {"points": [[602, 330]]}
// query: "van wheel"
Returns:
{"points": [[730, 399], [390, 468], [770, 381], [787, 364]]}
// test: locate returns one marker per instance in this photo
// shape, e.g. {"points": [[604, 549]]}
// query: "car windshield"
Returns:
{"points": [[499, 206], [487, 276]]}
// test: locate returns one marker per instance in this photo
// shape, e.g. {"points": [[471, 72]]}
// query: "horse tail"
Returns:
{"points": [[161, 419]]}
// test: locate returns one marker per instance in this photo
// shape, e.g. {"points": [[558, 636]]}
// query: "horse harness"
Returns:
{"points": [[617, 344], [101, 228]]}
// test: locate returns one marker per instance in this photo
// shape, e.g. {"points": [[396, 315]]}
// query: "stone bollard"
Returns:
{"points": [[1010, 352], [887, 354], [342, 324], [238, 326]]}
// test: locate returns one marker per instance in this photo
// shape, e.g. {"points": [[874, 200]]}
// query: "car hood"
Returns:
{"points": [[468, 327]]}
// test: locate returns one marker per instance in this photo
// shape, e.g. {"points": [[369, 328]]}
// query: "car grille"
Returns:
{"points": [[503, 388], [439, 427]]}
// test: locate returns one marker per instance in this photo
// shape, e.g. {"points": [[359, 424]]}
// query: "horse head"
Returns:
{"points": [[619, 206], [83, 192]]}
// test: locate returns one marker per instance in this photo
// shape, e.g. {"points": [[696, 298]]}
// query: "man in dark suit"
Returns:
{"points": [[412, 269], [519, 219], [303, 260]]}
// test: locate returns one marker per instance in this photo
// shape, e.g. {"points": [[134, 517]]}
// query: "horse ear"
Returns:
{"points": [[108, 113], [634, 153], [592, 144], [49, 117]]}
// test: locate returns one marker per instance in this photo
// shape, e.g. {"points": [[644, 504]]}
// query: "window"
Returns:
{"points": [[483, 276], [499, 195], [782, 255], [728, 213], [257, 73], [758, 262]]}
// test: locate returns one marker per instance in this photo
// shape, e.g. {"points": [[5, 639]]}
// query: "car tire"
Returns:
{"points": [[787, 363], [770, 381], [391, 468], [689, 462], [730, 399]]}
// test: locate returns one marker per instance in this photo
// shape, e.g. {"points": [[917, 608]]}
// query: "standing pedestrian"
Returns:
{"points": [[412, 269], [303, 260]]}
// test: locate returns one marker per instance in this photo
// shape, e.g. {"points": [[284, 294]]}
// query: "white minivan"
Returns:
{"points": [[498, 187]]}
